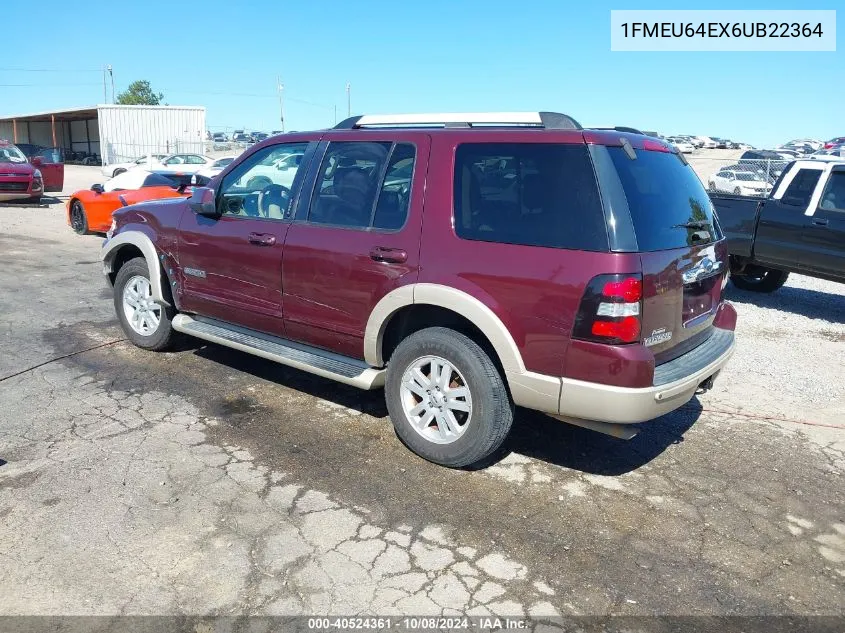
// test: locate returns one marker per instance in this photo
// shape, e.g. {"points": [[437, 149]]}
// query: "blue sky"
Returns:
{"points": [[414, 57]]}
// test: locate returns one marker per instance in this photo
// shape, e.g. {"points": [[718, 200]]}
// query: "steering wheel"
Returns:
{"points": [[274, 195]]}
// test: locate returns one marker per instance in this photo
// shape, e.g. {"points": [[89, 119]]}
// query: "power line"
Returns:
{"points": [[49, 70], [45, 85]]}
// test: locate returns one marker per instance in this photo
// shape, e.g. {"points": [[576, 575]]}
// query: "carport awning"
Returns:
{"points": [[74, 114]]}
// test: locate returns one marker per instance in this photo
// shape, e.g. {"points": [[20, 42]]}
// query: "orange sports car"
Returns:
{"points": [[90, 210]]}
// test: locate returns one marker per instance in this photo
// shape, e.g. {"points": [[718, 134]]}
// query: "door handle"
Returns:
{"points": [[262, 239], [819, 221], [388, 255]]}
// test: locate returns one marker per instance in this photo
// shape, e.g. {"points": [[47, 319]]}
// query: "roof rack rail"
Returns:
{"points": [[546, 120], [621, 128]]}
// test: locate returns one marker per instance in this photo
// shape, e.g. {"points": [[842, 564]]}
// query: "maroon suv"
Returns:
{"points": [[466, 263]]}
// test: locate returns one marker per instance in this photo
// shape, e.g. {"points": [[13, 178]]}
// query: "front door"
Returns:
{"points": [[779, 239], [355, 240], [52, 167], [231, 265], [825, 229]]}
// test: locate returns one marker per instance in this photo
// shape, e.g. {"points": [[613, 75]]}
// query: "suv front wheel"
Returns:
{"points": [[446, 398], [145, 322]]}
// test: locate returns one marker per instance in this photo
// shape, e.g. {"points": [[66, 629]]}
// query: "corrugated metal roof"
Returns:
{"points": [[92, 110]]}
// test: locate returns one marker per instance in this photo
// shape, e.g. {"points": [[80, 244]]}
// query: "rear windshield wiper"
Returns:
{"points": [[696, 224]]}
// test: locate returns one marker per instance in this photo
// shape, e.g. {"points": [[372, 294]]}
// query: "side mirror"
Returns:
{"points": [[203, 202], [97, 188], [36, 161]]}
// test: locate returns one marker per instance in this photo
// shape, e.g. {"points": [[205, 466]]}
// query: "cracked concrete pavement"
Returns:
{"points": [[204, 481]]}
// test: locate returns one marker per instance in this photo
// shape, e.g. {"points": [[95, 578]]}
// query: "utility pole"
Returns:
{"points": [[105, 93], [348, 99], [111, 74], [281, 88]]}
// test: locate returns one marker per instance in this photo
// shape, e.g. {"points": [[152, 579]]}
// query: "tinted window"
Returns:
{"points": [[834, 194], [258, 188], [395, 196], [800, 190], [347, 184], [536, 194], [663, 195]]}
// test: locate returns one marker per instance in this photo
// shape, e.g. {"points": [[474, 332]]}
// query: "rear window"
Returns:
{"points": [[534, 194], [669, 206]]}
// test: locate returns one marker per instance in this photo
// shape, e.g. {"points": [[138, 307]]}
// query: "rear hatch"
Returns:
{"points": [[683, 253]]}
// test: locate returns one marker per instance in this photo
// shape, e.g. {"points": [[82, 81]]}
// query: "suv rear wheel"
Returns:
{"points": [[145, 322], [446, 398]]}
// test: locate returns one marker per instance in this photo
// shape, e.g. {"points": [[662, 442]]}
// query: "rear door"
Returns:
{"points": [[356, 239], [683, 253]]}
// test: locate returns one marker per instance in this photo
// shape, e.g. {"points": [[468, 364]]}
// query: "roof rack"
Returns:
{"points": [[545, 120], [620, 128]]}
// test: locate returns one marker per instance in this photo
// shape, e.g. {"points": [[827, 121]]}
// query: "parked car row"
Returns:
{"points": [[241, 136]]}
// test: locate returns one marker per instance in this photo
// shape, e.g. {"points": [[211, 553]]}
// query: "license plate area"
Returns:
{"points": [[701, 298]]}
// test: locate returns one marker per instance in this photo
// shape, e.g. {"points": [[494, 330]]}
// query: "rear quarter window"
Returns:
{"points": [[533, 194], [666, 199]]}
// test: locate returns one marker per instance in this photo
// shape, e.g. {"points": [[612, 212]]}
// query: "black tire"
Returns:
{"points": [[491, 417], [164, 336], [737, 191], [768, 280], [117, 172], [78, 218], [711, 186]]}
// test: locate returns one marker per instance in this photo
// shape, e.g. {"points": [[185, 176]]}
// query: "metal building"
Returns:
{"points": [[111, 133]]}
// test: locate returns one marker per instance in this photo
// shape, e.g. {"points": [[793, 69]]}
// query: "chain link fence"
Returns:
{"points": [[738, 176]]}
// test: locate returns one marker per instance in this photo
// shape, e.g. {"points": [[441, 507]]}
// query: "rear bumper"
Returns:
{"points": [[675, 384]]}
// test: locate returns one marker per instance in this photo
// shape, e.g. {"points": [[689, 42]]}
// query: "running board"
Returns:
{"points": [[343, 369], [622, 431]]}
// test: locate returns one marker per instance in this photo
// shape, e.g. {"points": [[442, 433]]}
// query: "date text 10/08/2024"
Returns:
{"points": [[418, 624]]}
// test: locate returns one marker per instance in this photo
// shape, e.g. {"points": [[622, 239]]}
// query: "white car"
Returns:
{"points": [[683, 145], [110, 171], [707, 142], [181, 163], [275, 170], [215, 168], [739, 183]]}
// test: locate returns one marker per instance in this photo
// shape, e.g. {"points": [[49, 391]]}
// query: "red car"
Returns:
{"points": [[24, 177], [466, 263], [839, 140]]}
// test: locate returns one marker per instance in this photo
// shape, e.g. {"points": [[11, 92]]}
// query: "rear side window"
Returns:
{"points": [[669, 206], [800, 190], [534, 194]]}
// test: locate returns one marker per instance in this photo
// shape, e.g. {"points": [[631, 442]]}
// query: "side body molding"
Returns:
{"points": [[143, 243], [529, 389]]}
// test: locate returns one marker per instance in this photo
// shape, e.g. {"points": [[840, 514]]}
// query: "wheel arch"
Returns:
{"points": [[463, 305], [530, 389], [125, 246]]}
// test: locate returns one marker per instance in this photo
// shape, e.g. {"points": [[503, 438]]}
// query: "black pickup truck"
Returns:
{"points": [[799, 228]]}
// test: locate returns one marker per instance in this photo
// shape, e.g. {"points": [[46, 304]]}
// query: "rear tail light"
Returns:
{"points": [[610, 310]]}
